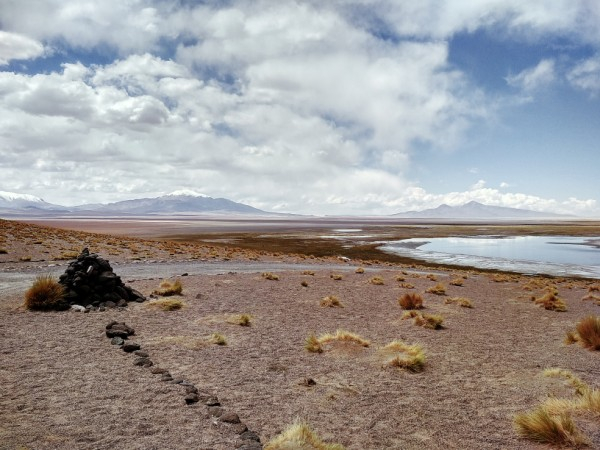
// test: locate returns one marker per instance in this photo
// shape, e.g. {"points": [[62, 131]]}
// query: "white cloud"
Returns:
{"points": [[534, 78], [586, 75], [16, 46]]}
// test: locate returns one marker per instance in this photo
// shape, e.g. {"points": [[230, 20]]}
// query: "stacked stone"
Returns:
{"points": [[90, 282]]}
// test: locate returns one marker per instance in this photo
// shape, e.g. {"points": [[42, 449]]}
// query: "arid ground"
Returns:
{"points": [[63, 385]]}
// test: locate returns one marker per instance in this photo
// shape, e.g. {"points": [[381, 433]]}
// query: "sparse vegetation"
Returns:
{"points": [[540, 426], [331, 301], [407, 285], [588, 332], [243, 320], [299, 436], [432, 321], [359, 270], [457, 282], [438, 289], [551, 301], [308, 272], [304, 283], [166, 304], [168, 288], [270, 276], [46, 294], [336, 276], [25, 258], [312, 344], [378, 281], [218, 339], [315, 344], [461, 301], [399, 354], [411, 300], [431, 276]]}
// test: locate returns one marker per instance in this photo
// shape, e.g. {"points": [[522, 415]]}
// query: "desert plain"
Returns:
{"points": [[63, 385]]}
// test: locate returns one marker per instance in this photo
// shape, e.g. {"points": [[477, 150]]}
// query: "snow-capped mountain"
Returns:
{"points": [[14, 201], [476, 210]]}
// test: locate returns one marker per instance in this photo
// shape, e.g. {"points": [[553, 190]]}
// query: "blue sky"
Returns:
{"points": [[338, 107]]}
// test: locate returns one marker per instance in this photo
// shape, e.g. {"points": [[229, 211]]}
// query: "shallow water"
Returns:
{"points": [[552, 255]]}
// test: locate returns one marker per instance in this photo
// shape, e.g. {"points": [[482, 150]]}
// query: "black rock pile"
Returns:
{"points": [[90, 282]]}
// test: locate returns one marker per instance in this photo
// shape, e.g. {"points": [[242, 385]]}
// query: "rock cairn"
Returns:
{"points": [[90, 282], [119, 333]]}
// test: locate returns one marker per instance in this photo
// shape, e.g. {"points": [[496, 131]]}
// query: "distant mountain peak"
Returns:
{"points": [[186, 193], [13, 196], [476, 210]]}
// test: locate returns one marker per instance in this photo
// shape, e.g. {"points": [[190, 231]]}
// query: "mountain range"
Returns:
{"points": [[186, 202], [476, 210], [179, 202]]}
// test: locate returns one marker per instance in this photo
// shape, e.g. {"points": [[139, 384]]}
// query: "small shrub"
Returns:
{"points": [[25, 258], [431, 276], [588, 332], [461, 301], [299, 436], [400, 279], [343, 336], [331, 301], [242, 320], [270, 276], [359, 270], [46, 294], [438, 289], [432, 321], [308, 272], [378, 281], [551, 302], [166, 304], [304, 283], [402, 355], [168, 289], [218, 339], [313, 345], [336, 276], [571, 338], [540, 426], [407, 285], [594, 287], [501, 278], [457, 282], [411, 301]]}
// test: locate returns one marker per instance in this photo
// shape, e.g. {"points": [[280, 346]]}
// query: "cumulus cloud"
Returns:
{"points": [[586, 75], [535, 77], [16, 46]]}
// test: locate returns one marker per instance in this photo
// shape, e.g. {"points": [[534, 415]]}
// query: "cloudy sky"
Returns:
{"points": [[322, 107]]}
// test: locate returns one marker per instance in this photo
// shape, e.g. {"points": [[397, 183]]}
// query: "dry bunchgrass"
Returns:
{"points": [[299, 436], [331, 301], [344, 337], [460, 301], [501, 278], [400, 278], [399, 354], [168, 288], [359, 270], [551, 301], [243, 320], [407, 285], [270, 276], [336, 276], [541, 426], [431, 276], [594, 288], [46, 294], [378, 281], [438, 289], [457, 282], [312, 344], [308, 272], [217, 339], [588, 332], [431, 321], [411, 300], [592, 297], [166, 304]]}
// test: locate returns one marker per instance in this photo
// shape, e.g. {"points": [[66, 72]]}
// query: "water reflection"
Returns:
{"points": [[553, 255]]}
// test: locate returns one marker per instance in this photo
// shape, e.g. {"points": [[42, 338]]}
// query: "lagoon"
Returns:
{"points": [[551, 255]]}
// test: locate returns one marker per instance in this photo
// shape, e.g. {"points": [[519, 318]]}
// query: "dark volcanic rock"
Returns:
{"points": [[130, 347], [90, 280], [250, 436], [230, 417], [191, 398], [143, 362]]}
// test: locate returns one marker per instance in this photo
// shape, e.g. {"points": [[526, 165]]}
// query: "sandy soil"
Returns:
{"points": [[63, 385]]}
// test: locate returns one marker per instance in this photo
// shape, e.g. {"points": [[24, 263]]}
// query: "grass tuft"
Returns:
{"points": [[359, 270], [313, 345], [243, 320], [457, 282], [378, 281], [336, 276], [343, 336], [405, 356], [218, 339], [541, 426], [551, 302], [438, 289], [299, 436], [270, 276], [431, 321], [331, 301], [461, 301], [588, 332], [46, 294], [411, 300], [168, 289], [166, 304]]}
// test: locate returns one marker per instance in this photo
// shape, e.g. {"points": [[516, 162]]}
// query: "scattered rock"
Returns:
{"points": [[308, 382], [191, 389], [230, 417], [157, 370], [77, 308], [141, 354], [119, 329], [215, 411], [166, 377], [130, 347], [213, 401], [143, 362], [191, 399], [250, 445], [250, 436], [239, 428], [117, 341], [177, 380]]}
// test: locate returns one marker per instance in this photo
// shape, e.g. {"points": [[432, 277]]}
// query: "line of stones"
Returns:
{"points": [[119, 333]]}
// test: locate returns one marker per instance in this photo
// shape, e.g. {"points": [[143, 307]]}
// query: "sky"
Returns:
{"points": [[312, 107]]}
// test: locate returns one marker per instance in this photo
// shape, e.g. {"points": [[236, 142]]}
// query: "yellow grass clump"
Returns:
{"points": [[405, 356], [411, 300], [343, 336], [457, 282], [460, 301], [551, 301], [378, 281], [166, 304], [541, 426], [331, 301], [46, 294], [359, 270], [438, 289], [270, 276], [336, 276], [588, 332], [218, 339], [312, 344], [431, 321], [243, 320], [407, 285], [431, 276], [168, 288], [299, 436], [308, 272]]}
